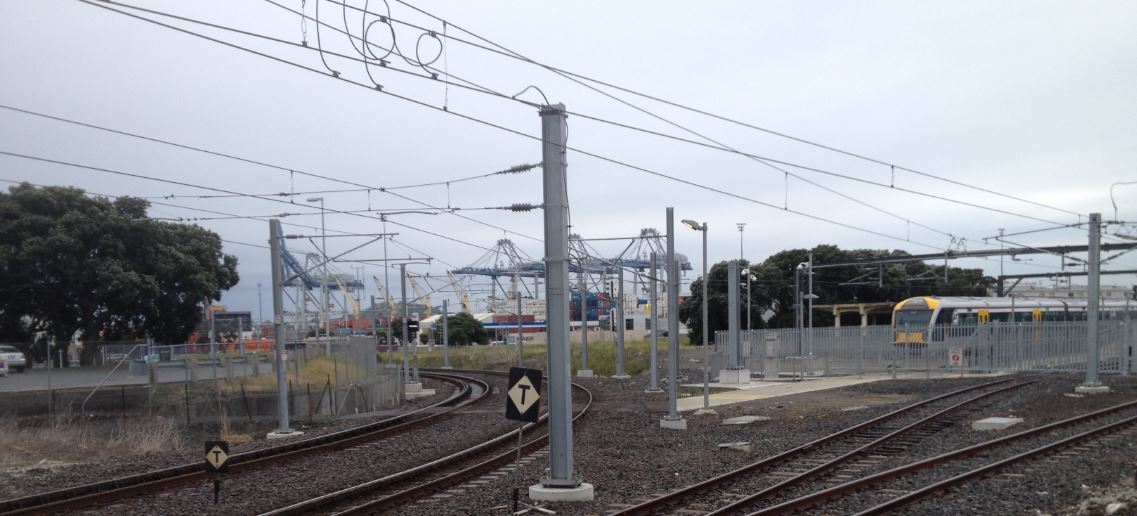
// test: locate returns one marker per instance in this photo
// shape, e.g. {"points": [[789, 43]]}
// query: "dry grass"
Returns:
{"points": [[74, 439], [315, 371], [601, 356]]}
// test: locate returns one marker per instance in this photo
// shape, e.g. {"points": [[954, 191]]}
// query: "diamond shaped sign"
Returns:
{"points": [[523, 395], [217, 455]]}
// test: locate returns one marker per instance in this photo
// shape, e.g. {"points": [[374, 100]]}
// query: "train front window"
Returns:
{"points": [[916, 318]]}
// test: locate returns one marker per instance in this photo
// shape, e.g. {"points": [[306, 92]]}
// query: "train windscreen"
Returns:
{"points": [[915, 318]]}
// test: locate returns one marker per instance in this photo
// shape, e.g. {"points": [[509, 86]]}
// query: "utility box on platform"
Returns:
{"points": [[770, 370]]}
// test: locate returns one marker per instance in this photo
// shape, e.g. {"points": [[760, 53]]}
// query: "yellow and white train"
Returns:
{"points": [[915, 318]]}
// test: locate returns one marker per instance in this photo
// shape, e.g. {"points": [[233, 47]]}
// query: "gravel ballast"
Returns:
{"points": [[621, 449]]}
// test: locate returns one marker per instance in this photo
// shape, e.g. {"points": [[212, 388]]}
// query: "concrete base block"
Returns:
{"points": [[996, 423], [620, 377], [744, 420], [584, 373], [734, 376], [673, 424], [654, 391], [446, 367], [410, 387], [742, 446], [421, 393], [706, 412], [1091, 389], [283, 435], [585, 492]]}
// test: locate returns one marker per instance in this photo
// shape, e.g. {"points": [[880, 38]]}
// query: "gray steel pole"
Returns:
{"points": [[620, 326], [653, 383], [583, 291], [278, 327], [553, 135], [749, 285], [406, 331], [445, 335], [672, 319], [797, 318], [387, 285], [809, 343], [324, 283], [732, 288], [1093, 293], [706, 330], [520, 329], [260, 312]]}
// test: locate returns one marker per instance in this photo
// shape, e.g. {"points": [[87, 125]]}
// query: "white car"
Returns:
{"points": [[13, 358]]}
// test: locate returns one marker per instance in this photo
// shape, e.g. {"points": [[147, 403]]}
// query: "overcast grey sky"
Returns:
{"points": [[1033, 99]]}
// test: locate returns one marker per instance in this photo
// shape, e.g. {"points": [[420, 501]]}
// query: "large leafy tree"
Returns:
{"points": [[772, 286], [691, 311], [73, 265], [464, 329]]}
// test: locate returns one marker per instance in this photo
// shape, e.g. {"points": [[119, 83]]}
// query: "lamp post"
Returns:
{"points": [[749, 278], [798, 317], [324, 280], [741, 250], [706, 331], [746, 273], [260, 311]]}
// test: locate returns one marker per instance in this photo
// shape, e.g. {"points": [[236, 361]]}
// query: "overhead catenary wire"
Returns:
{"points": [[225, 215], [338, 76], [502, 50], [714, 144], [717, 144], [191, 185], [514, 131], [511, 170], [94, 194]]}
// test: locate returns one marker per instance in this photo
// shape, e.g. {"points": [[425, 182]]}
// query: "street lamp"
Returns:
{"points": [[706, 354], [324, 281], [749, 278], [741, 250]]}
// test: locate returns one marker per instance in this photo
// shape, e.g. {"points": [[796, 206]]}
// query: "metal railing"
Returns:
{"points": [[1026, 346]]}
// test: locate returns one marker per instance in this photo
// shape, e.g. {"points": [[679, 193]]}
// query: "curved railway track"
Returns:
{"points": [[468, 390], [389, 492], [885, 501], [820, 457]]}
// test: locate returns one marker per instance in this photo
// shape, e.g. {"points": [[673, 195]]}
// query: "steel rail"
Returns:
{"points": [[814, 499], [772, 491], [1022, 457], [89, 494], [359, 490], [656, 504]]}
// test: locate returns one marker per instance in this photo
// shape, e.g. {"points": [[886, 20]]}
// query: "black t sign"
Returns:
{"points": [[523, 395], [216, 456]]}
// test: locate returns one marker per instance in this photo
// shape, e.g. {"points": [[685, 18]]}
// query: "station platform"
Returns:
{"points": [[760, 389]]}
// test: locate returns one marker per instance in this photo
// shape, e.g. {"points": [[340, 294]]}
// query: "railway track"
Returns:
{"points": [[468, 391], [395, 490], [866, 496], [853, 450]]}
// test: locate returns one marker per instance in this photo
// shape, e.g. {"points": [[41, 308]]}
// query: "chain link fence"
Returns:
{"points": [[206, 384]]}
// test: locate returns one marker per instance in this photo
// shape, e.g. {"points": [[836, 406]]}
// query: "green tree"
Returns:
{"points": [[77, 266], [691, 311], [464, 330], [772, 287]]}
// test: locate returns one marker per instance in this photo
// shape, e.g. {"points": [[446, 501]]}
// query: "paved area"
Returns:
{"points": [[89, 377], [757, 390]]}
